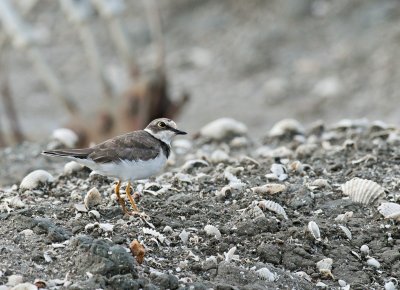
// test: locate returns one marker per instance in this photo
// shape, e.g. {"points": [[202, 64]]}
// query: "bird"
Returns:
{"points": [[132, 156]]}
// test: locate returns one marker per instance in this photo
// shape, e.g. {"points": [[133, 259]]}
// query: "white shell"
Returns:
{"points": [[24, 286], [314, 230], [270, 188], [184, 236], [303, 275], [182, 177], [234, 182], [154, 233], [390, 286], [92, 198], [15, 202], [94, 213], [190, 164], [344, 217], [72, 167], [362, 190], [230, 255], [80, 207], [272, 206], [279, 171], [390, 210], [318, 184], [265, 274], [346, 232], [224, 192], [254, 211], [212, 231], [325, 266], [222, 128], [66, 137], [286, 126], [106, 227], [373, 262], [14, 280], [364, 249], [35, 178]]}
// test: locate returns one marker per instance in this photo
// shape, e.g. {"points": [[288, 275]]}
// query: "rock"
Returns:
{"points": [[166, 281], [102, 257], [124, 282], [270, 253], [54, 233]]}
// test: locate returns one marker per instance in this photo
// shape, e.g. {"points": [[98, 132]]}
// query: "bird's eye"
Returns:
{"points": [[161, 125]]}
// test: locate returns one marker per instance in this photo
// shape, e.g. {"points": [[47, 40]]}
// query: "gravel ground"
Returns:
{"points": [[206, 220]]}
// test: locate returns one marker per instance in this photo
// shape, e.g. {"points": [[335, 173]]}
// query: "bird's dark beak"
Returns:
{"points": [[178, 132]]}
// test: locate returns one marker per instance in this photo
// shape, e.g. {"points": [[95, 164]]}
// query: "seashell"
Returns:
{"points": [[390, 210], [346, 232], [230, 255], [239, 142], [72, 167], [168, 229], [80, 207], [106, 227], [94, 213], [35, 179], [254, 212], [314, 230], [191, 164], [303, 275], [272, 206], [66, 137], [26, 232], [224, 192], [318, 184], [212, 231], [279, 171], [14, 280], [344, 217], [24, 286], [14, 202], [286, 127], [265, 274], [152, 186], [137, 250], [325, 266], [219, 156], [184, 236], [154, 233], [40, 284], [223, 128], [234, 182], [390, 286], [362, 190], [250, 161], [296, 166], [373, 262], [364, 249], [270, 188], [92, 198], [365, 159]]}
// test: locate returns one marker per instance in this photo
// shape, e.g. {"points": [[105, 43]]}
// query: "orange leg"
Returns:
{"points": [[120, 200], [128, 193]]}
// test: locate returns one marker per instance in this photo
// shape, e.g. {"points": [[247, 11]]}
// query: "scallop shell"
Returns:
{"points": [[314, 230], [222, 128], [66, 137], [212, 231], [270, 188], [346, 231], [272, 206], [35, 178], [325, 266], [72, 167], [390, 210], [265, 274], [362, 190], [286, 126], [92, 198]]}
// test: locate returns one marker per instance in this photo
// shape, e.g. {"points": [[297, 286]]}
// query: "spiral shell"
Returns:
{"points": [[272, 206], [35, 178], [390, 210], [362, 190], [314, 230]]}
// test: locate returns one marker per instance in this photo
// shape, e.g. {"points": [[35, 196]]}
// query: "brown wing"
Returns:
{"points": [[131, 146]]}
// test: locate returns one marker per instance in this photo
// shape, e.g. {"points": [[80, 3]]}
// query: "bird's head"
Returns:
{"points": [[164, 129]]}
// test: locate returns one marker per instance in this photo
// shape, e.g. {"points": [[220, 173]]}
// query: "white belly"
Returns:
{"points": [[129, 170]]}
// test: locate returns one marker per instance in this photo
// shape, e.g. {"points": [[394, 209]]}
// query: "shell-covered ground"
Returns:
{"points": [[207, 220]]}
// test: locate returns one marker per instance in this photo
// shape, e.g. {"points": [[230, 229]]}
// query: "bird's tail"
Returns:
{"points": [[74, 153]]}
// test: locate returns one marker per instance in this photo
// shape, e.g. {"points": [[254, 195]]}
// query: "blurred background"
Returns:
{"points": [[102, 67]]}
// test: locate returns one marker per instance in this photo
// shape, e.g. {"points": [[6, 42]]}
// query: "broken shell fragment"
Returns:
{"points": [[318, 184], [390, 210], [223, 128], [92, 198], [35, 179], [314, 230], [270, 188], [154, 233], [344, 217], [362, 190], [272, 206], [325, 266], [137, 250], [224, 192], [279, 171], [212, 231], [265, 274], [346, 231]]}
